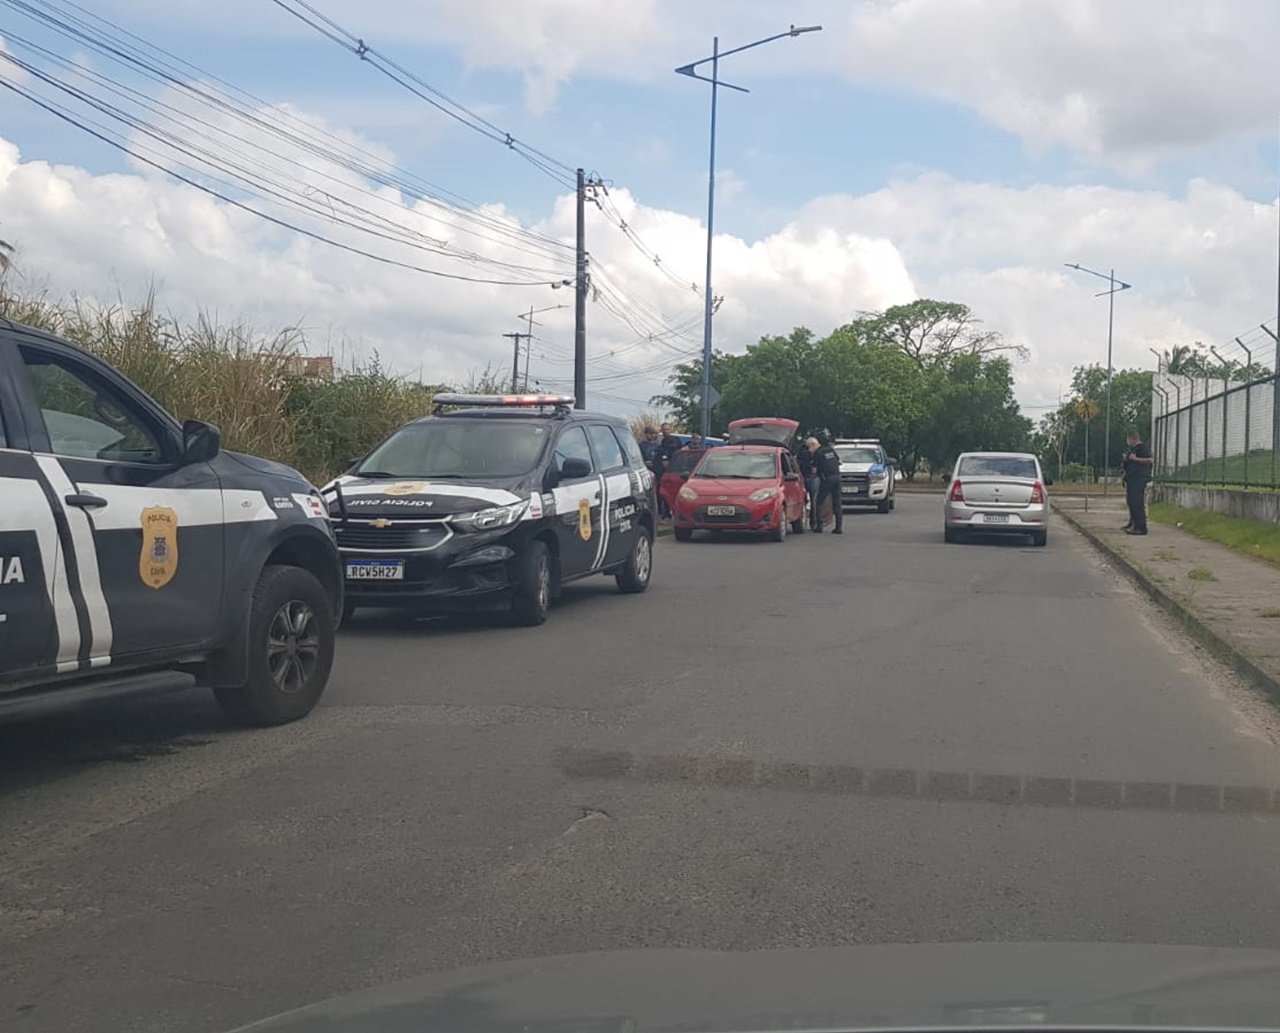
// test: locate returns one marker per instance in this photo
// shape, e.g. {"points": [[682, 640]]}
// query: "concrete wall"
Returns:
{"points": [[1256, 505]]}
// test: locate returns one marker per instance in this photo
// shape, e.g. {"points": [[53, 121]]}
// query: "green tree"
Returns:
{"points": [[971, 406], [682, 399], [773, 378], [930, 332], [1130, 407]]}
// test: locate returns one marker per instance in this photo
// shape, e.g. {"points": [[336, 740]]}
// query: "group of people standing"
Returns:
{"points": [[820, 468], [657, 446]]}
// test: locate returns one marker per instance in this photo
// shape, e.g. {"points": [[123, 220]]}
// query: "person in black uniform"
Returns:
{"points": [[1138, 463], [827, 462], [668, 445]]}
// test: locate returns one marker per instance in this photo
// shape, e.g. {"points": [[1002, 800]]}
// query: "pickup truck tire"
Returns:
{"points": [[884, 506], [532, 599], [290, 642], [634, 575]]}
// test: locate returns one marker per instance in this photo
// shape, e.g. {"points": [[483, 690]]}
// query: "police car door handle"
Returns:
{"points": [[85, 501]]}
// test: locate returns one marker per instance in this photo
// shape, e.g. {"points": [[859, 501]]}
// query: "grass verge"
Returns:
{"points": [[1250, 537]]}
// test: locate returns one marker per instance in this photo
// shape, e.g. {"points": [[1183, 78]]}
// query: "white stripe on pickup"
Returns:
{"points": [[27, 509], [82, 539]]}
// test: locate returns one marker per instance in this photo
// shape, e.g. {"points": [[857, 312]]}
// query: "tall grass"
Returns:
{"points": [[1257, 538], [235, 377]]}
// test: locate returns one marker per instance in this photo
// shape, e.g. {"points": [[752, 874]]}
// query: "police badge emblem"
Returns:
{"points": [[158, 561]]}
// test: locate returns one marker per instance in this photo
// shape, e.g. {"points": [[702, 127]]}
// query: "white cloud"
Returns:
{"points": [[101, 236], [1125, 83], [1122, 82]]}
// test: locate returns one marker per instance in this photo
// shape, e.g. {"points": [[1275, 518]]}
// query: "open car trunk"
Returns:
{"points": [[763, 430]]}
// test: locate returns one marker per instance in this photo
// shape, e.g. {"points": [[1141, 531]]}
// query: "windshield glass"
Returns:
{"points": [[857, 454], [997, 466], [458, 448], [754, 465]]}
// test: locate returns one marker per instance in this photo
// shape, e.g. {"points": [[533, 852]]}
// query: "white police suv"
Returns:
{"points": [[493, 504], [866, 474], [137, 555]]}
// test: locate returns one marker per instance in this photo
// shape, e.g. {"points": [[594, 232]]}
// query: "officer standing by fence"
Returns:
{"points": [[1138, 464]]}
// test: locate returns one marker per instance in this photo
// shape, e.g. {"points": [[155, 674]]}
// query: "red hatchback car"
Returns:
{"points": [[742, 488]]}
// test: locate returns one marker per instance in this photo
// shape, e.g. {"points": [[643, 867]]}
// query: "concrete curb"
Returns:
{"points": [[1221, 648]]}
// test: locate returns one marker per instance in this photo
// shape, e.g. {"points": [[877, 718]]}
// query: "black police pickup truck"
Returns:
{"points": [[135, 555], [494, 503]]}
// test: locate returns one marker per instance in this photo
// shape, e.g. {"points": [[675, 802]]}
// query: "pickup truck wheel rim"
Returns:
{"points": [[293, 646]]}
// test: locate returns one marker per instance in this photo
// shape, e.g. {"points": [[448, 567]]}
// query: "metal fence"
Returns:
{"points": [[1221, 428]]}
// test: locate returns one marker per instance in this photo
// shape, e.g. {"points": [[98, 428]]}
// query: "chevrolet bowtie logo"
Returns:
{"points": [[380, 523]]}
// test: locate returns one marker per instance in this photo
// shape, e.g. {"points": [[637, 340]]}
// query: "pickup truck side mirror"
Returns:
{"points": [[200, 442]]}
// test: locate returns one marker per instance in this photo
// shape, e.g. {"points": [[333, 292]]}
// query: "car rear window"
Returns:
{"points": [[997, 466]]}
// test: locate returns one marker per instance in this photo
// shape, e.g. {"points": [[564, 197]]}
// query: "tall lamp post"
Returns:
{"points": [[1114, 287], [716, 82]]}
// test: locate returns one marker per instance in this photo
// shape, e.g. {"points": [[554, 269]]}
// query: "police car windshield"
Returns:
{"points": [[855, 454], [747, 465], [450, 448]]}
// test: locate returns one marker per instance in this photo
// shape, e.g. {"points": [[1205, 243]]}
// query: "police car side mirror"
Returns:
{"points": [[200, 442], [574, 469]]}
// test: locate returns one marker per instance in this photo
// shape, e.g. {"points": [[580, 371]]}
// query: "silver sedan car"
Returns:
{"points": [[997, 492]]}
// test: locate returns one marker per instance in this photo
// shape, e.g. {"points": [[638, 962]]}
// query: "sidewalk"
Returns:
{"points": [[1229, 603]]}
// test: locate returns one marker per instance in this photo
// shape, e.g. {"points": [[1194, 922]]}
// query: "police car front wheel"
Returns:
{"points": [[533, 589], [290, 642]]}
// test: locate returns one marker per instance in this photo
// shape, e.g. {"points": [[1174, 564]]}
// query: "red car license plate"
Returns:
{"points": [[720, 510]]}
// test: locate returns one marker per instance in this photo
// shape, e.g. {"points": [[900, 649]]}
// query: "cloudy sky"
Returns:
{"points": [[956, 149]]}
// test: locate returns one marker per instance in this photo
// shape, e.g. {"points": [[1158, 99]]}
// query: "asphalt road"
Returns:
{"points": [[873, 738]]}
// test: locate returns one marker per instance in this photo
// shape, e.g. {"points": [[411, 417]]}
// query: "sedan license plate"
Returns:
{"points": [[720, 510], [995, 518], [375, 570]]}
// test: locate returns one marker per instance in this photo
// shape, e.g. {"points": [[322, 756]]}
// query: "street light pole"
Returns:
{"points": [[716, 83], [1114, 287]]}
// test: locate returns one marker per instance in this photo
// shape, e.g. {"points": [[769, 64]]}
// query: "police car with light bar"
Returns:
{"points": [[137, 555], [493, 503], [866, 474]]}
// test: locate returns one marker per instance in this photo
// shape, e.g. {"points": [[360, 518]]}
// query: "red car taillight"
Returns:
{"points": [[1037, 495], [957, 492]]}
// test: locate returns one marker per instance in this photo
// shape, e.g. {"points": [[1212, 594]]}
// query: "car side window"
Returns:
{"points": [[630, 447], [572, 445], [85, 417], [608, 452]]}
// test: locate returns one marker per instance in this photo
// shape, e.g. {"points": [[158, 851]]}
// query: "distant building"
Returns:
{"points": [[318, 367]]}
